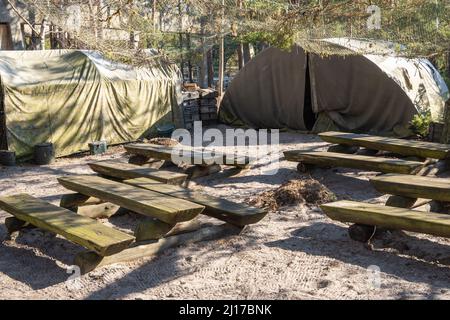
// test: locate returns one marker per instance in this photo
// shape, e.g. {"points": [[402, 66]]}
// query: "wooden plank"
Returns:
{"points": [[88, 261], [389, 217], [385, 165], [413, 186], [235, 213], [162, 207], [420, 149], [124, 171], [78, 229], [187, 155]]}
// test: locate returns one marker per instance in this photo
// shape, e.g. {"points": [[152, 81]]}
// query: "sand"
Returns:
{"points": [[294, 253]]}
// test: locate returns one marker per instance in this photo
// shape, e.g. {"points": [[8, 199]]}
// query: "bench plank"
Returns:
{"points": [[420, 149], [81, 230], [162, 207], [129, 171], [187, 155], [225, 210], [378, 164], [389, 217], [413, 186]]}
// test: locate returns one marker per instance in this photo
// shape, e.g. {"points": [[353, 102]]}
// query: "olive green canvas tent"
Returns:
{"points": [[72, 97], [370, 88]]}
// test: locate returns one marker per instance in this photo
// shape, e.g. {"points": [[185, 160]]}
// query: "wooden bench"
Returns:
{"points": [[156, 205], [81, 230], [389, 217], [413, 186], [419, 149], [378, 164], [124, 171], [188, 155], [88, 261], [225, 210]]}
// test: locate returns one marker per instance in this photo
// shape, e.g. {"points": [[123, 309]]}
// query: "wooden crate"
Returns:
{"points": [[191, 110], [209, 102], [208, 116], [191, 95], [208, 93], [208, 109], [190, 103]]}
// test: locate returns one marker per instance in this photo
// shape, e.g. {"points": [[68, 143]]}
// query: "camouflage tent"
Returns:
{"points": [[71, 98], [367, 88]]}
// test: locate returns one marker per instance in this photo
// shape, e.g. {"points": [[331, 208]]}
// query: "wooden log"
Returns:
{"points": [[341, 148], [238, 214], [156, 205], [153, 229], [413, 186], [194, 172], [401, 202], [361, 233], [88, 261], [73, 201], [367, 152], [304, 167], [13, 224], [138, 159], [420, 149], [129, 171], [389, 217], [328, 159], [80, 230]]}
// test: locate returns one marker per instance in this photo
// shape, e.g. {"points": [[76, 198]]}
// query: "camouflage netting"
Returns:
{"points": [[412, 27]]}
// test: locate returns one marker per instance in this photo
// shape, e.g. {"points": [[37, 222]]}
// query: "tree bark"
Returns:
{"points": [[247, 53], [240, 53], [448, 64], [203, 70], [210, 68]]}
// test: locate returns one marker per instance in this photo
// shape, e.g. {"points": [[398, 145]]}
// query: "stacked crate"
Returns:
{"points": [[190, 108], [209, 101]]}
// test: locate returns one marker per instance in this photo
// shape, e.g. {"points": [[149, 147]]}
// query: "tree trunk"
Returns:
{"points": [[203, 70], [448, 64], [190, 70], [247, 53], [240, 53], [42, 35], [221, 53], [210, 68]]}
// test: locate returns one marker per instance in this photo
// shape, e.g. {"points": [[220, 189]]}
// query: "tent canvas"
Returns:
{"points": [[71, 98], [376, 92]]}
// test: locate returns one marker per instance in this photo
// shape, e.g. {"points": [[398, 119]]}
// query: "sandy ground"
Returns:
{"points": [[296, 253]]}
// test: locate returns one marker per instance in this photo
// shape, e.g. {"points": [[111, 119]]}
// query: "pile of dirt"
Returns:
{"points": [[164, 142], [294, 192]]}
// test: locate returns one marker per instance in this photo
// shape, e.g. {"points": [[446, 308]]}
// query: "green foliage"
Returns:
{"points": [[420, 124]]}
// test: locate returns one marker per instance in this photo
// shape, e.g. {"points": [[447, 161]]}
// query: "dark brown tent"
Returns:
{"points": [[367, 93]]}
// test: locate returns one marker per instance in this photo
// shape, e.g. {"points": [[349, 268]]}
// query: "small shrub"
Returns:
{"points": [[420, 124]]}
